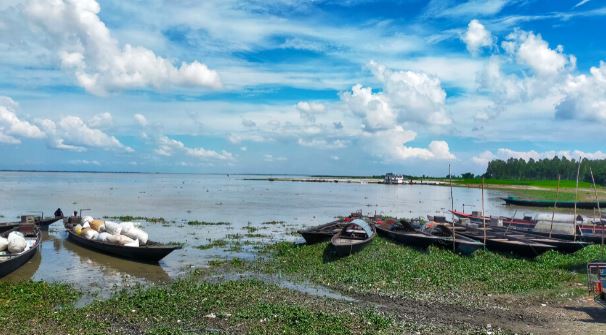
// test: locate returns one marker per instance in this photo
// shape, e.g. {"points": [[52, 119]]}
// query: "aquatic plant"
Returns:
{"points": [[207, 223]]}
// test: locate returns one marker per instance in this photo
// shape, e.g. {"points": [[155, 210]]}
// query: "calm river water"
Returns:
{"points": [[182, 197]]}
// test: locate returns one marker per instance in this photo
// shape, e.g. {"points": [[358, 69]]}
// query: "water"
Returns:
{"points": [[182, 197]]}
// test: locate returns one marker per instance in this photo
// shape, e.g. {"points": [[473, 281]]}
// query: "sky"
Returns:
{"points": [[349, 87]]}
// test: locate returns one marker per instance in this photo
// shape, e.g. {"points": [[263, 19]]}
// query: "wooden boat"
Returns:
{"points": [[353, 237], [502, 242], [11, 262], [322, 232], [152, 252], [551, 203], [561, 245], [476, 217], [438, 235], [581, 235], [39, 221]]}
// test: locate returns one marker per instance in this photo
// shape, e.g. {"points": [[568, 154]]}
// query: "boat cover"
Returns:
{"points": [[364, 225]]}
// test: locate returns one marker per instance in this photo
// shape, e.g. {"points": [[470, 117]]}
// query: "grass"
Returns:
{"points": [[207, 223], [393, 269], [136, 218], [536, 183], [186, 306]]}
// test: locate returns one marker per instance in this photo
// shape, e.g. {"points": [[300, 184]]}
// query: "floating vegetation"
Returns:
{"points": [[213, 244], [274, 222], [207, 223], [256, 235], [250, 229]]}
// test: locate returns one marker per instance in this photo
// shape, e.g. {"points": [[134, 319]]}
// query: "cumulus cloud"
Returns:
{"points": [[168, 147], [141, 120], [71, 133], [100, 64], [476, 37], [246, 137], [505, 153], [309, 110], [12, 128], [100, 120], [390, 145], [248, 123], [585, 96], [531, 50]]}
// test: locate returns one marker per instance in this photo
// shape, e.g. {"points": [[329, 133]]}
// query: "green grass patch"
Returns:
{"points": [[208, 223], [391, 268], [186, 306], [250, 229], [536, 183]]}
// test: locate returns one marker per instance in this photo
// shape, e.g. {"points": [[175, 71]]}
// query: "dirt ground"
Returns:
{"points": [[510, 313]]}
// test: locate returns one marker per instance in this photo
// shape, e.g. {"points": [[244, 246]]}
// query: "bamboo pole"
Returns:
{"points": [[576, 198], [454, 237], [483, 216], [555, 205], [597, 201]]}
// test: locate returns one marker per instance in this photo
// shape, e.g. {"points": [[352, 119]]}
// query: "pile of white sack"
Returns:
{"points": [[14, 244], [124, 233]]}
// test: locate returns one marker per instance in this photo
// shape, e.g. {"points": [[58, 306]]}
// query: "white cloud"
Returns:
{"points": [[483, 158], [248, 123], [73, 134], [322, 143], [407, 96], [531, 50], [309, 110], [272, 158], [140, 119], [84, 162], [12, 127], [585, 96], [390, 145], [86, 47], [247, 137], [168, 147], [476, 37], [467, 8], [100, 120]]}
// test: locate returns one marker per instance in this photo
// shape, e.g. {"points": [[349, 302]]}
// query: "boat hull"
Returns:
{"points": [[15, 263], [463, 245], [520, 248], [144, 254], [550, 203]]}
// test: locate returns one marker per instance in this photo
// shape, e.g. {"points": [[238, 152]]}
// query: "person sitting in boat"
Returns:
{"points": [[74, 219], [58, 213]]}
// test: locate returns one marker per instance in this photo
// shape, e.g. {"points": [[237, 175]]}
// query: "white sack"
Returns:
{"points": [[16, 242], [135, 243], [113, 228], [126, 227], [87, 219], [85, 225], [137, 234], [103, 236], [3, 243]]}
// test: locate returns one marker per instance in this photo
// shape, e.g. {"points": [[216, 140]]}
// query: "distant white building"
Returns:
{"points": [[391, 178]]}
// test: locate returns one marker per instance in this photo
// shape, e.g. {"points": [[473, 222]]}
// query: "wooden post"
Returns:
{"points": [[483, 216], [576, 198], [555, 204], [454, 237], [597, 201]]}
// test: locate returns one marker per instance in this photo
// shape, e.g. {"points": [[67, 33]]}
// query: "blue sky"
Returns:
{"points": [[313, 87]]}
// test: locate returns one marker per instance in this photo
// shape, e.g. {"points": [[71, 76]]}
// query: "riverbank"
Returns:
{"points": [[386, 288], [545, 189]]}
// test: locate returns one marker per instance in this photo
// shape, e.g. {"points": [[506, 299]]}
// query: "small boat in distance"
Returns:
{"points": [[353, 237], [11, 262], [152, 252]]}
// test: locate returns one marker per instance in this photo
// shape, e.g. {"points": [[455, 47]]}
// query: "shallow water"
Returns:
{"points": [[182, 197]]}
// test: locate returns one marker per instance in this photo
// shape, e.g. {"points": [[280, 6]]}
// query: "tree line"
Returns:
{"points": [[520, 169]]}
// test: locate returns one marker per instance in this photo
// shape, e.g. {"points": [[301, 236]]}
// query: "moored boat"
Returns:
{"points": [[11, 262], [438, 235], [499, 241], [322, 232], [551, 203], [42, 222], [561, 245], [353, 237], [477, 217], [152, 252]]}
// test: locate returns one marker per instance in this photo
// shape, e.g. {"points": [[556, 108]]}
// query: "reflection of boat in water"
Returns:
{"points": [[112, 265]]}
